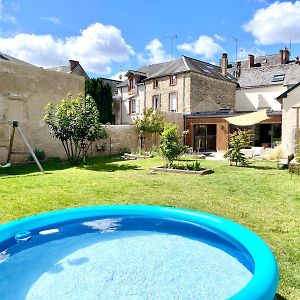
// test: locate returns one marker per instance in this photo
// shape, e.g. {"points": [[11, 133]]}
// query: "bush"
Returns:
{"points": [[240, 139], [40, 155], [274, 154], [75, 122], [170, 143]]}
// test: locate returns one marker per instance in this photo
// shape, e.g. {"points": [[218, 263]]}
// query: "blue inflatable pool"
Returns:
{"points": [[133, 252]]}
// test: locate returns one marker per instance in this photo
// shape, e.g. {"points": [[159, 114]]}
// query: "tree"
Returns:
{"points": [[240, 139], [170, 143], [151, 122], [75, 122], [101, 92]]}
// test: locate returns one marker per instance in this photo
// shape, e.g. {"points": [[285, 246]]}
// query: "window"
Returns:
{"points": [[277, 78], [173, 80], [132, 83], [134, 106], [173, 102], [155, 102], [155, 83]]}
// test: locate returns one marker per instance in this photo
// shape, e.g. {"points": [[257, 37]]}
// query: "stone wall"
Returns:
{"points": [[24, 92], [164, 89], [210, 94]]}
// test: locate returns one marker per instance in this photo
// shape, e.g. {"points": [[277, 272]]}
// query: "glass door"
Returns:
{"points": [[200, 137]]}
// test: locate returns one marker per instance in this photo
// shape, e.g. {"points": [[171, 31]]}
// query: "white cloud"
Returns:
{"points": [[204, 46], [54, 20], [155, 53], [219, 37], [277, 23], [117, 76], [96, 48], [5, 17]]}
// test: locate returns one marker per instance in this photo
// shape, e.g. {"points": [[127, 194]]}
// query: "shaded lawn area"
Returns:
{"points": [[260, 197]]}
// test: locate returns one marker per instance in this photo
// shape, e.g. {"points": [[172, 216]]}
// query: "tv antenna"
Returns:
{"points": [[171, 37], [236, 49]]}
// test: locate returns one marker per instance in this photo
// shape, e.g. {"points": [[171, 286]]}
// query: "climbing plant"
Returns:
{"points": [[101, 92]]}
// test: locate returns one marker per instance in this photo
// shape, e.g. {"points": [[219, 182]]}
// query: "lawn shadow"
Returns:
{"points": [[107, 164], [261, 167]]}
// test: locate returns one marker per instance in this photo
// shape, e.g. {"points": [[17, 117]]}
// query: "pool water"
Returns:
{"points": [[122, 258]]}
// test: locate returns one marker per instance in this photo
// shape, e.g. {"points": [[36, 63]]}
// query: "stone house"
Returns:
{"points": [[181, 88]]}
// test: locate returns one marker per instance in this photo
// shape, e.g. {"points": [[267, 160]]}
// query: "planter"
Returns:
{"points": [[165, 170], [129, 156]]}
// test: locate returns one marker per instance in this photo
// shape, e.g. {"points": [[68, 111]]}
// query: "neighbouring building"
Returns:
{"points": [[261, 81], [24, 92], [190, 90], [74, 67]]}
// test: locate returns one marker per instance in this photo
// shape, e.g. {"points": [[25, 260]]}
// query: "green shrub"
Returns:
{"points": [[170, 146], [240, 139]]}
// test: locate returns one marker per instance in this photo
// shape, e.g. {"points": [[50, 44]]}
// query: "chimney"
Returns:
{"points": [[224, 64], [284, 56], [238, 69], [250, 60], [73, 64]]}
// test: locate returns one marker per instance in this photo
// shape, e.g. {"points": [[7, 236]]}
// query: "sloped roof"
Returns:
{"points": [[6, 57], [263, 76], [113, 84], [260, 61], [67, 69], [183, 64]]}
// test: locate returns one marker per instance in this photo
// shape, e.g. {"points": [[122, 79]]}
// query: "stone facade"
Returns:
{"points": [[24, 92], [208, 94], [164, 89]]}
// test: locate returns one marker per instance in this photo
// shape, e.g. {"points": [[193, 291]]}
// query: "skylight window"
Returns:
{"points": [[207, 71], [278, 78]]}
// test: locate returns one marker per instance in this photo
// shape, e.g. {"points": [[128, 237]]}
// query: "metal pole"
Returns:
{"points": [[30, 149]]}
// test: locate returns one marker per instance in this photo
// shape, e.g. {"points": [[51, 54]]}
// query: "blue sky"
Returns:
{"points": [[109, 36]]}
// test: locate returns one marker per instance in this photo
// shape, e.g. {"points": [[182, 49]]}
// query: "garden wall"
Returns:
{"points": [[24, 92]]}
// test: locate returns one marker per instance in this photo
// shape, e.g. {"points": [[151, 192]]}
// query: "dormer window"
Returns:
{"points": [[278, 78], [132, 83], [155, 83], [173, 80]]}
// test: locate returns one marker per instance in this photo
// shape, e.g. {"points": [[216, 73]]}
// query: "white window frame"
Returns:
{"points": [[173, 104], [134, 105], [173, 79], [156, 102]]}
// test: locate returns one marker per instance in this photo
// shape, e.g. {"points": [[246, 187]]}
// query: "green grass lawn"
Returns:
{"points": [[260, 197]]}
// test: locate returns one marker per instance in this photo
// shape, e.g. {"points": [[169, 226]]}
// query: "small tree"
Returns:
{"points": [[239, 139], [151, 122], [75, 122], [170, 143]]}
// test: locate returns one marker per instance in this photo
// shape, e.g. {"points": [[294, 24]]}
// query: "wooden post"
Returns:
{"points": [[11, 144]]}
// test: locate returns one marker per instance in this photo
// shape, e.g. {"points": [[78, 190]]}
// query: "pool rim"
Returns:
{"points": [[264, 282]]}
